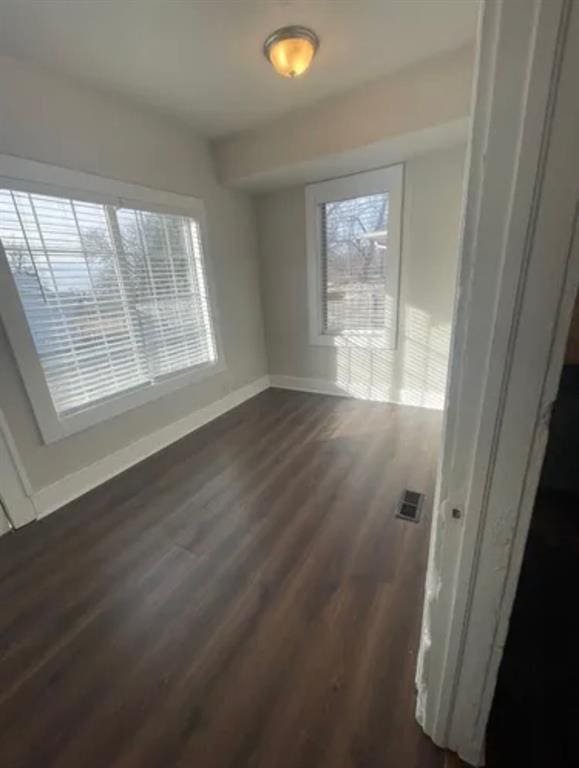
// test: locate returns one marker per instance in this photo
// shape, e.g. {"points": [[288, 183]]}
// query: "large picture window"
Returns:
{"points": [[354, 257], [114, 297]]}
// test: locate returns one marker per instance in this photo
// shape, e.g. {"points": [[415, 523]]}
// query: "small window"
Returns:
{"points": [[354, 258], [114, 298]]}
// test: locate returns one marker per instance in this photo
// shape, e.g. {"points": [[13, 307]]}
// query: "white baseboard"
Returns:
{"points": [[431, 401], [319, 386], [54, 496]]}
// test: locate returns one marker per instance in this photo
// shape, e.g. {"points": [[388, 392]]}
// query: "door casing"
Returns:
{"points": [[517, 284]]}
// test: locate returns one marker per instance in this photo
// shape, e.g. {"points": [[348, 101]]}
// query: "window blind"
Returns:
{"points": [[354, 246], [115, 297]]}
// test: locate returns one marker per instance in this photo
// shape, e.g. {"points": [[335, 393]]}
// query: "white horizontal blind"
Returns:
{"points": [[115, 298], [354, 246]]}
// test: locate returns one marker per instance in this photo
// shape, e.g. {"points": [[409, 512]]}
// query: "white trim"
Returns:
{"points": [[317, 386], [52, 497], [548, 279], [15, 487], [15, 455], [4, 524], [31, 176], [388, 180], [516, 287], [327, 387]]}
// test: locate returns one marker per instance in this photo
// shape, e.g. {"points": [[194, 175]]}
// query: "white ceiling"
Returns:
{"points": [[202, 61]]}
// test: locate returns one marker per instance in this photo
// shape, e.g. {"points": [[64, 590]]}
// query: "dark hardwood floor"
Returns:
{"points": [[246, 597]]}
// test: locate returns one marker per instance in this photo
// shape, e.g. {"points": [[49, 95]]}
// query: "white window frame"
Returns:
{"points": [[29, 176], [388, 180]]}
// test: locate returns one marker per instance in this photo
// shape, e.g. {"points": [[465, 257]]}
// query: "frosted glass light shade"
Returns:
{"points": [[290, 50]]}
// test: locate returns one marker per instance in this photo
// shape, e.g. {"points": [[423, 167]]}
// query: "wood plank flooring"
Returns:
{"points": [[246, 597]]}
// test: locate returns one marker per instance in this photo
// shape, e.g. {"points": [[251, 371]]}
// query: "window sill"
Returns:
{"points": [[58, 427]]}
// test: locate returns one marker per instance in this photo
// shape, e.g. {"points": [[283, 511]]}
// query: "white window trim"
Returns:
{"points": [[357, 185], [30, 176]]}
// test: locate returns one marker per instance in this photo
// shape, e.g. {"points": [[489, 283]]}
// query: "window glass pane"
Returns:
{"points": [[354, 261], [169, 300], [114, 299]]}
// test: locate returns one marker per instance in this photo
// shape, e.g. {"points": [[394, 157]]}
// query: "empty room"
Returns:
{"points": [[255, 263]]}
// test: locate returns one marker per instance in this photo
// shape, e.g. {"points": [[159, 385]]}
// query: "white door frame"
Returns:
{"points": [[16, 505], [518, 281]]}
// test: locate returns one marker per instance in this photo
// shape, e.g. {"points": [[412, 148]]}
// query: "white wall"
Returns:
{"points": [[415, 373], [55, 121]]}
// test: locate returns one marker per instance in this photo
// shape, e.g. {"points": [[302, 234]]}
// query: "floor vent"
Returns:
{"points": [[410, 506]]}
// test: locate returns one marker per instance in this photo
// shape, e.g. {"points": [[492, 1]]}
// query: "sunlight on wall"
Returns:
{"points": [[366, 373], [413, 374], [425, 353]]}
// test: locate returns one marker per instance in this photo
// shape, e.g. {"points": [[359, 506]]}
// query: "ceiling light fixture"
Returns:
{"points": [[290, 50]]}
